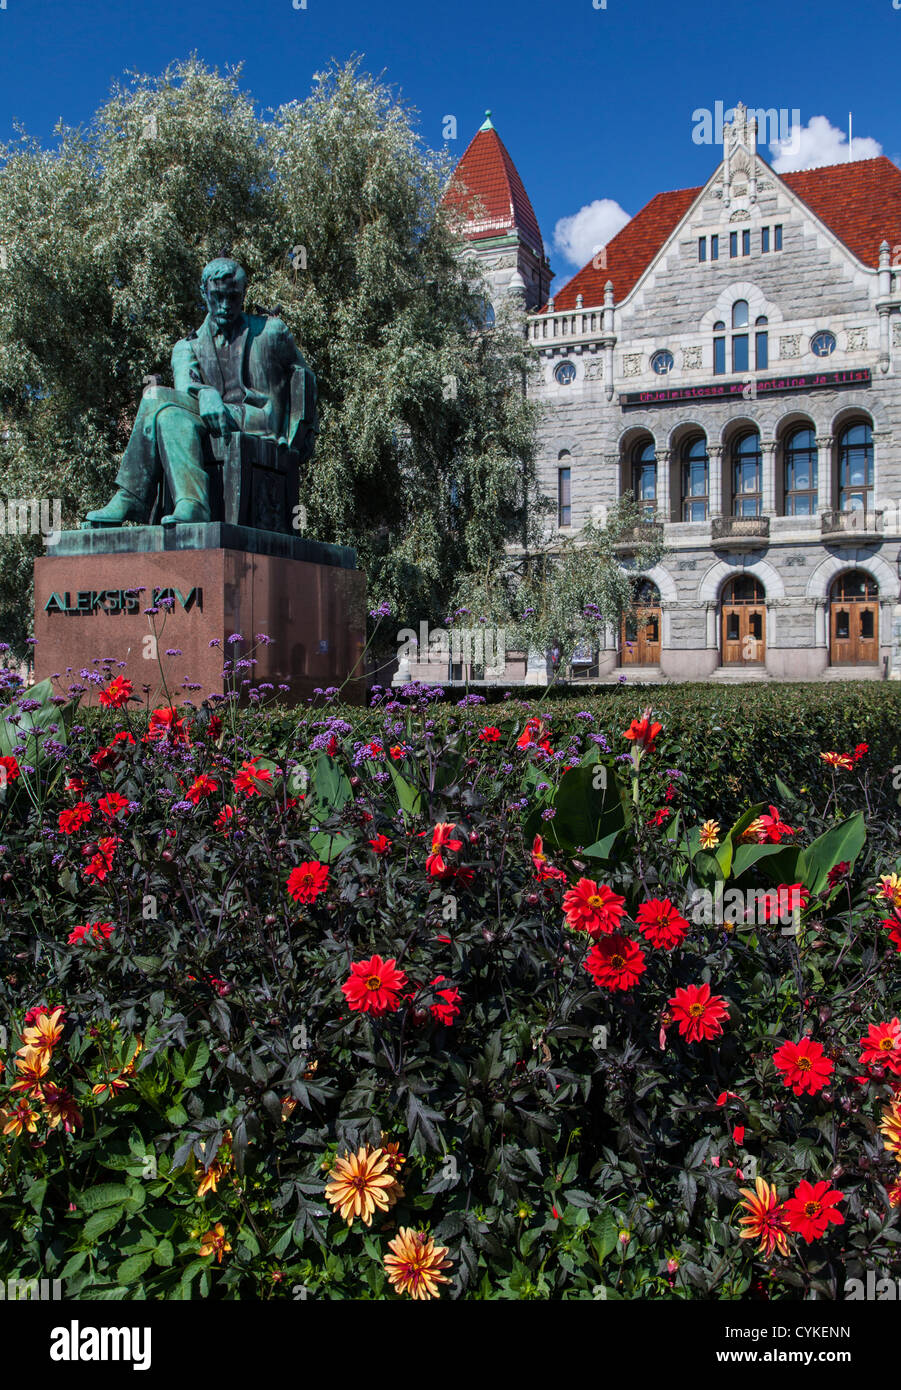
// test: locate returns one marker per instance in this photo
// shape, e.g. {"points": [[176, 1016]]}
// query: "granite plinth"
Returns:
{"points": [[209, 535], [307, 597]]}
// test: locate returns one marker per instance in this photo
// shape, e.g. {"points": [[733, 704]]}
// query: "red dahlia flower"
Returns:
{"points": [[201, 786], [374, 986], [10, 768], [770, 829], [615, 962], [811, 1209], [534, 734], [442, 839], [100, 863], [882, 1046], [447, 1004], [111, 804], [790, 897], [95, 932], [660, 923], [381, 844], [117, 693], [70, 821], [306, 882], [489, 734], [804, 1066], [698, 1013], [544, 871], [643, 733], [893, 926], [165, 723], [593, 908], [250, 778]]}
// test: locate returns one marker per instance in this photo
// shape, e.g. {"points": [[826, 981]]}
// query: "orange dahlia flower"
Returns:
{"points": [[214, 1242], [890, 1128], [361, 1182], [45, 1032], [415, 1264], [765, 1220]]}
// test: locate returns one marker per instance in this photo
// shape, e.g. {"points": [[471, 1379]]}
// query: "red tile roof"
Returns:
{"points": [[630, 252], [860, 202], [486, 175]]}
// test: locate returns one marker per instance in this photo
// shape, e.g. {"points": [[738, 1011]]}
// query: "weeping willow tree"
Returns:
{"points": [[334, 207]]}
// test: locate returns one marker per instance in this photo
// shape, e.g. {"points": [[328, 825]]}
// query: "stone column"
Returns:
{"points": [[820, 622], [663, 484], [712, 641], [768, 481], [881, 439], [824, 473], [715, 474]]}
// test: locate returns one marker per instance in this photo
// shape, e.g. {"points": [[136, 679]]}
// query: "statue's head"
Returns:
{"points": [[223, 285]]}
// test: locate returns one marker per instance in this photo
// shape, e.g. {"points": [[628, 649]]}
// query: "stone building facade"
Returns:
{"points": [[733, 358]]}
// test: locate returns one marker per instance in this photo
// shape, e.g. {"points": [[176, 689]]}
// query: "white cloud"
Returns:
{"points": [[817, 144], [580, 236]]}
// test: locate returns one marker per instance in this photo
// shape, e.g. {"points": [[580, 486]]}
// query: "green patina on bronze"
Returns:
{"points": [[240, 376]]}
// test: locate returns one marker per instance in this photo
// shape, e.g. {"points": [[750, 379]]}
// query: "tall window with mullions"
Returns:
{"points": [[564, 492], [695, 480], [801, 473], [855, 467], [747, 469], [644, 479]]}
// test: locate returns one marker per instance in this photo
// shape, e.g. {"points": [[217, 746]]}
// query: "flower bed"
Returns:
{"points": [[447, 1002]]}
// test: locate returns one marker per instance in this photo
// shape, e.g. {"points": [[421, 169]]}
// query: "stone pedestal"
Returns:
{"points": [[306, 596]]}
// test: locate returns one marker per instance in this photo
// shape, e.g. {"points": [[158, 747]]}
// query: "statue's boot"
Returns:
{"points": [[186, 511], [122, 507]]}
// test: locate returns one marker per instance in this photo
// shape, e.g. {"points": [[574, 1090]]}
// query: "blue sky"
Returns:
{"points": [[593, 104]]}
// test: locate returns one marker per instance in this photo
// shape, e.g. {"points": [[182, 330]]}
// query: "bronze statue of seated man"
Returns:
{"points": [[238, 374]]}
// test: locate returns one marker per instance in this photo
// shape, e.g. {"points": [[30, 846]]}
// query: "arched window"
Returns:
{"points": [[645, 594], [761, 343], [747, 491], [855, 467], [564, 488], [695, 480], [740, 339], [740, 355], [744, 588], [801, 473], [644, 478], [855, 585]]}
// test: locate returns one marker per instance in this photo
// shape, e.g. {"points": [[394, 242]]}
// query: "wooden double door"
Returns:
{"points": [[641, 638], [854, 620], [743, 618]]}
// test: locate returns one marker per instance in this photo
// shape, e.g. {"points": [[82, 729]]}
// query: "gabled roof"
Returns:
{"points": [[860, 202], [487, 190]]}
